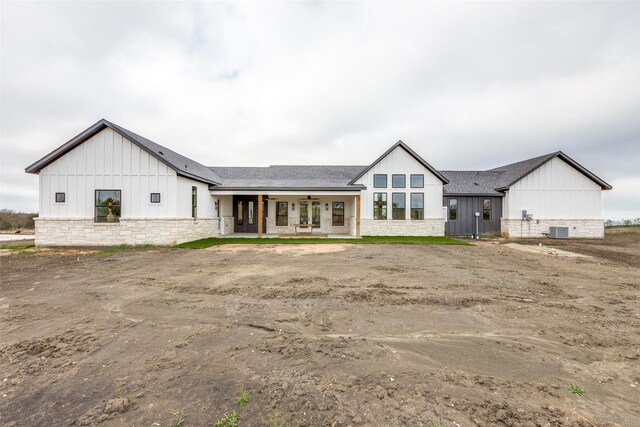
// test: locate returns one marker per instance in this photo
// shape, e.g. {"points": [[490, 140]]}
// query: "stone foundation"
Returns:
{"points": [[578, 228], [154, 231], [427, 227]]}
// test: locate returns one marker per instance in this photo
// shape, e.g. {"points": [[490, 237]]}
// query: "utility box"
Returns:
{"points": [[559, 232]]}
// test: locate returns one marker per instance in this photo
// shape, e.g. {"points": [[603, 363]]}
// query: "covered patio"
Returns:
{"points": [[288, 213]]}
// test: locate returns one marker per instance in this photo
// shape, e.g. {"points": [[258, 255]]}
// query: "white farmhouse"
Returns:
{"points": [[110, 186]]}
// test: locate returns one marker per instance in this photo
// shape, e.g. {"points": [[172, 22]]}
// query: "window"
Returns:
{"points": [[453, 209], [486, 210], [194, 202], [417, 181], [398, 206], [60, 197], [379, 181], [337, 214], [282, 214], [108, 206], [155, 197], [417, 205], [379, 205], [240, 219], [250, 211], [398, 181]]}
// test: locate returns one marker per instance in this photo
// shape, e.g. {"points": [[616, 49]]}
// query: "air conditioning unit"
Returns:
{"points": [[559, 232]]}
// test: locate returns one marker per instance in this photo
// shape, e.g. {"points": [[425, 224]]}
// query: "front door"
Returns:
{"points": [[245, 213], [310, 212]]}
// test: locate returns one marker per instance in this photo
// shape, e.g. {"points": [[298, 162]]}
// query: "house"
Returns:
{"points": [[109, 186]]}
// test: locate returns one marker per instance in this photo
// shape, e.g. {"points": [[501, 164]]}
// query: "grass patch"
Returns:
{"points": [[366, 240], [228, 420], [243, 399], [16, 247], [577, 390], [112, 250]]}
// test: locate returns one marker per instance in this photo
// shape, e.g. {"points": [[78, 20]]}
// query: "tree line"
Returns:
{"points": [[12, 220]]}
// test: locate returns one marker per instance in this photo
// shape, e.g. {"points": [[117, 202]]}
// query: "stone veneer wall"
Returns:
{"points": [[578, 228], [155, 231], [328, 229], [427, 227]]}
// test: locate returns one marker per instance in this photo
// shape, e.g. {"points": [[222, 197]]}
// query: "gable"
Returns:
{"points": [[107, 153], [181, 165], [398, 161], [392, 153], [556, 174]]}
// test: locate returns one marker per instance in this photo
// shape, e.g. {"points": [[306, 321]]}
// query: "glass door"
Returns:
{"points": [[304, 212], [315, 214]]}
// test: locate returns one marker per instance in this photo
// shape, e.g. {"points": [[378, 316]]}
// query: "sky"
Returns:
{"points": [[469, 86]]}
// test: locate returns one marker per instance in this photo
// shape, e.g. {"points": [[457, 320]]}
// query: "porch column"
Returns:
{"points": [[260, 219], [357, 216]]}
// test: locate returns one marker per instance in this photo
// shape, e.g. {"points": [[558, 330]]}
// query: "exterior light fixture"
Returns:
{"points": [[326, 206], [293, 206]]}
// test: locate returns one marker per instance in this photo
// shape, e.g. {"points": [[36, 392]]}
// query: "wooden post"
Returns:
{"points": [[260, 219], [358, 216]]}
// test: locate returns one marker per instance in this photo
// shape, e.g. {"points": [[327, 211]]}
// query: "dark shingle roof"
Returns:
{"points": [[481, 183], [290, 177], [495, 181], [514, 172], [179, 163]]}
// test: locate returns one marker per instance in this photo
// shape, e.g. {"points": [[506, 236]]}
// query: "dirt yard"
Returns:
{"points": [[323, 335]]}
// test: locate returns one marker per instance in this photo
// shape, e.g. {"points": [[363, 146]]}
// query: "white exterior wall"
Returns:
{"points": [[401, 162], [554, 191], [555, 194], [108, 161]]}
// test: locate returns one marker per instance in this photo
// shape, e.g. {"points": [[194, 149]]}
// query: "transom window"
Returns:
{"points": [[417, 205], [379, 205], [417, 181], [486, 210], [398, 181], [155, 197], [398, 205], [379, 181], [453, 209], [337, 214], [108, 206], [60, 197], [282, 214], [194, 202]]}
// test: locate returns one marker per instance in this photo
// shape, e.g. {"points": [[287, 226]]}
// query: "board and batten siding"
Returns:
{"points": [[108, 161], [554, 191], [402, 163]]}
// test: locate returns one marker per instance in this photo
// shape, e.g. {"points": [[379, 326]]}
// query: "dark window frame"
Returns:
{"points": [[155, 194], [449, 209], [279, 216], [416, 175], [403, 209], [411, 208], [386, 180], [404, 180], [382, 205], [486, 211], [64, 197], [194, 202], [111, 207], [339, 223]]}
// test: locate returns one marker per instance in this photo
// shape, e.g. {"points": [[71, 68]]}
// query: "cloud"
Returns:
{"points": [[468, 85]]}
